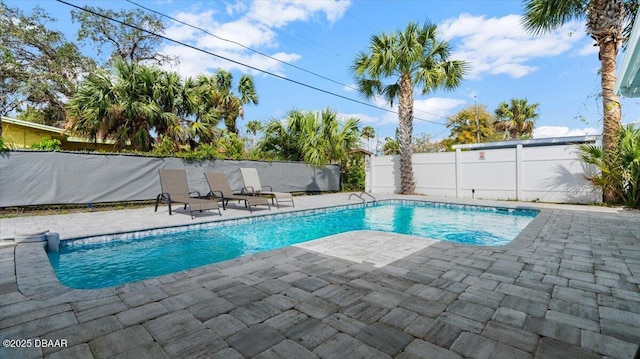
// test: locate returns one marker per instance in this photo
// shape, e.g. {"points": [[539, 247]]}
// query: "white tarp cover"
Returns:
{"points": [[36, 178]]}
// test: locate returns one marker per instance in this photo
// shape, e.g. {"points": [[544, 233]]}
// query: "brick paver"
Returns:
{"points": [[567, 287]]}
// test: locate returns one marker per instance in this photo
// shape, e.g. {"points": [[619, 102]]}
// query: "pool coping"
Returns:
{"points": [[36, 278]]}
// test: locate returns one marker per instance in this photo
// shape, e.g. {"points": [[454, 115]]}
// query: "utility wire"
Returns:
{"points": [[235, 61], [235, 43], [275, 59]]}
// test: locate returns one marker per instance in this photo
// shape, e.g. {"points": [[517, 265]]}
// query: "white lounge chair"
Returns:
{"points": [[253, 187]]}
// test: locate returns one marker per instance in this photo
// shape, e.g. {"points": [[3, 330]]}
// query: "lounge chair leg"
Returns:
{"points": [[158, 199]]}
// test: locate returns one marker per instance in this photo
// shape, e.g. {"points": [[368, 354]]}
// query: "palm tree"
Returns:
{"points": [[368, 133], [124, 109], [620, 174], [130, 105], [608, 22], [415, 57], [315, 138], [518, 118], [254, 127], [221, 100], [390, 147]]}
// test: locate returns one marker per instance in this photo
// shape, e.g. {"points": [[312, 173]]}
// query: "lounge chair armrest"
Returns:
{"points": [[270, 189], [198, 192], [215, 194], [248, 189]]}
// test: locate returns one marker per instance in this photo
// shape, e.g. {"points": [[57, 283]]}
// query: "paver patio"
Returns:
{"points": [[567, 287]]}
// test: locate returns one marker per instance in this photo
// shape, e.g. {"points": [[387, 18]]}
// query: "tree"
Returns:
{"points": [[315, 138], [38, 67], [390, 146], [124, 42], [254, 127], [465, 130], [425, 144], [409, 59], [368, 133], [606, 21], [129, 105], [220, 99], [518, 118]]}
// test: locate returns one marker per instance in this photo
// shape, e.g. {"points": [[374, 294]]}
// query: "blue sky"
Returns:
{"points": [[559, 70]]}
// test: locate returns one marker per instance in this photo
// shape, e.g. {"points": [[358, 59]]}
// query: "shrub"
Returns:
{"points": [[353, 175], [3, 148], [47, 144], [619, 172]]}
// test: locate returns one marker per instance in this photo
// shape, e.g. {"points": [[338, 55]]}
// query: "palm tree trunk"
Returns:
{"points": [[611, 106], [405, 131]]}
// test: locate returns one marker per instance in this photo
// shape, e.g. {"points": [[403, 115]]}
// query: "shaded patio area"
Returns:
{"points": [[567, 287]]}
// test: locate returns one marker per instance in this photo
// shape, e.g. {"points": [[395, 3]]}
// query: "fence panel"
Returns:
{"points": [[549, 173], [36, 178]]}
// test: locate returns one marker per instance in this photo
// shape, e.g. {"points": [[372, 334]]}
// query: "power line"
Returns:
{"points": [[235, 61], [235, 43], [278, 60]]}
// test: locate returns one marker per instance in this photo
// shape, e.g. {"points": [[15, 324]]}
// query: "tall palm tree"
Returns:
{"points": [[518, 118], [407, 59], [608, 22], [368, 133]]}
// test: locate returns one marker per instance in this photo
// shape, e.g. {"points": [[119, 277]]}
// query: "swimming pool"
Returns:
{"points": [[103, 262]]}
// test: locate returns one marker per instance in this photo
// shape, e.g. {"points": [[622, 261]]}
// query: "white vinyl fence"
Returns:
{"points": [[546, 170]]}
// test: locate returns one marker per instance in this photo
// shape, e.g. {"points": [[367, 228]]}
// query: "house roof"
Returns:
{"points": [[53, 130], [37, 126], [628, 80]]}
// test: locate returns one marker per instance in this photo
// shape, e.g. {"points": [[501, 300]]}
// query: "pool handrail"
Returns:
{"points": [[374, 200]]}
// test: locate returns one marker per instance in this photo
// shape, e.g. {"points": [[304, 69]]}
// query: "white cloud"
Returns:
{"points": [[250, 25], [501, 45], [350, 88], [588, 49], [434, 109], [562, 131], [281, 13], [365, 120]]}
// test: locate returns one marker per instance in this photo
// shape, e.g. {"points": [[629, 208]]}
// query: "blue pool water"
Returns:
{"points": [[108, 263]]}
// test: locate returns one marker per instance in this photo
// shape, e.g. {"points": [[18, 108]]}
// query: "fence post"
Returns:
{"points": [[369, 165], [519, 174], [458, 174]]}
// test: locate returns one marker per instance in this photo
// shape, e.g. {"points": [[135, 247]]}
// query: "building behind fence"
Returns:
{"points": [[38, 178], [546, 170]]}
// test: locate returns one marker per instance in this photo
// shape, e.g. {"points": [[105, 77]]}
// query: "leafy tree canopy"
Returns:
{"points": [[464, 128], [119, 41], [38, 67]]}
